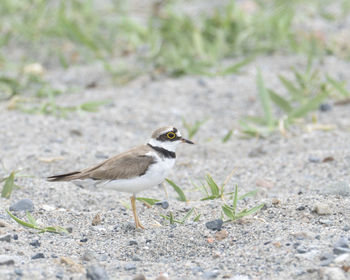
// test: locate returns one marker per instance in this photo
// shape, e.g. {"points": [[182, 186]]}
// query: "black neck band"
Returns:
{"points": [[164, 152]]}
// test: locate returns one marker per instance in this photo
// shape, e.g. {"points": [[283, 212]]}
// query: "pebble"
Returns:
{"points": [[326, 259], [257, 152], [23, 205], [302, 249], [139, 277], [163, 277], [343, 259], [211, 274], [84, 240], [322, 209], [136, 259], [221, 235], [314, 159], [15, 237], [38, 256], [132, 242], [331, 273], [6, 260], [35, 243], [88, 256], [164, 204], [341, 247], [96, 272], [130, 266], [96, 220], [214, 225], [301, 208], [18, 271], [325, 107], [5, 238]]}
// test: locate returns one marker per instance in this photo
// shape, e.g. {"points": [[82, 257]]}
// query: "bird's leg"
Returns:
{"points": [[133, 206]]}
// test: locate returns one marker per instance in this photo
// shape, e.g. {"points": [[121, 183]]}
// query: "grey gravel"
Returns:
{"points": [[96, 272], [23, 205], [139, 277], [6, 260], [211, 274], [35, 243]]}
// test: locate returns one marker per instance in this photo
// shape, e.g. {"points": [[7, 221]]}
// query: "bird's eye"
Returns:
{"points": [[171, 135]]}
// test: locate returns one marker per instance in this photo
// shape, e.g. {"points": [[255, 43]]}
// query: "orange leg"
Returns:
{"points": [[133, 206]]}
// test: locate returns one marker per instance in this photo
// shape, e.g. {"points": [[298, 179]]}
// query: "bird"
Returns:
{"points": [[135, 170]]}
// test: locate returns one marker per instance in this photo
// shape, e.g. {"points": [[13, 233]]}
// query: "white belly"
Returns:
{"points": [[155, 175]]}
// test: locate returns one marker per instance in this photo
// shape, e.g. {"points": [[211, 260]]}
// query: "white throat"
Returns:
{"points": [[168, 145]]}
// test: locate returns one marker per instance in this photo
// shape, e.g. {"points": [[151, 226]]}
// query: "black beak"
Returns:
{"points": [[183, 140]]}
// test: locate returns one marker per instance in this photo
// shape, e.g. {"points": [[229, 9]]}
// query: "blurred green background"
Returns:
{"points": [[169, 38]]}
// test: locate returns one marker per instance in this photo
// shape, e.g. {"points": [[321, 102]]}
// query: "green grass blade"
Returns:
{"points": [[250, 211], [31, 219], [293, 91], [339, 86], [178, 190], [93, 106], [21, 222], [228, 212], [310, 105], [235, 68], [188, 214], [196, 219], [8, 186], [150, 201], [235, 199], [227, 136], [281, 102], [251, 193], [265, 101], [213, 186]]}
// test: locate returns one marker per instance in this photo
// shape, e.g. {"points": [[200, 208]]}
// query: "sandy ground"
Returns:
{"points": [[301, 233]]}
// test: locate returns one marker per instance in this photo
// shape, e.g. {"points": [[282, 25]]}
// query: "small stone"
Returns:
{"points": [[136, 259], [211, 274], [221, 235], [331, 273], [48, 208], [328, 159], [340, 250], [302, 250], [139, 277], [196, 270], [88, 256], [35, 243], [325, 107], [38, 256], [164, 204], [84, 240], [132, 242], [59, 275], [23, 205], [325, 222], [163, 277], [2, 224], [326, 259], [240, 277], [96, 220], [314, 159], [130, 266], [5, 238], [18, 272], [346, 228], [6, 260], [15, 237], [69, 229], [322, 209], [268, 184], [96, 272], [214, 225], [301, 208], [343, 259], [342, 242], [257, 152]]}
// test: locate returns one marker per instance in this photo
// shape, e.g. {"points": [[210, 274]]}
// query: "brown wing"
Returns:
{"points": [[123, 166]]}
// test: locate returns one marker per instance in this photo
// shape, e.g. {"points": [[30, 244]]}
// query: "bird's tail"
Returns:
{"points": [[65, 177]]}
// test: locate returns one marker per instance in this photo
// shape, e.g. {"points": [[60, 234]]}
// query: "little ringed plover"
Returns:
{"points": [[137, 169]]}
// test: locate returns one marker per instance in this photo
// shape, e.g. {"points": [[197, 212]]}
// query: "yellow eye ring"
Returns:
{"points": [[171, 135]]}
